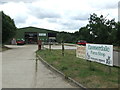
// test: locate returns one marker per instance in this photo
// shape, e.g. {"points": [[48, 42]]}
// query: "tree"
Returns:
{"points": [[118, 33], [101, 29], [8, 28], [84, 34], [65, 37]]}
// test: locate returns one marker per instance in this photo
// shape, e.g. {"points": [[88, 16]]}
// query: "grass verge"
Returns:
{"points": [[79, 69]]}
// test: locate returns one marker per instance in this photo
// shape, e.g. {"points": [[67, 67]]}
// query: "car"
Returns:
{"points": [[20, 42], [82, 42]]}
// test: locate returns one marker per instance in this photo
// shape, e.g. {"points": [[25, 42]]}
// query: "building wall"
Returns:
{"points": [[21, 33]]}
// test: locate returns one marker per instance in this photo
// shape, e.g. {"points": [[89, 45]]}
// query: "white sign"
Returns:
{"points": [[42, 34], [80, 51], [100, 53], [52, 38]]}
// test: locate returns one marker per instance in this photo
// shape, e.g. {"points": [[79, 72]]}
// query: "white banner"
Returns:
{"points": [[100, 53], [80, 51]]}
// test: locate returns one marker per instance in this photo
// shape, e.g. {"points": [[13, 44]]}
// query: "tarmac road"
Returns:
{"points": [[19, 70]]}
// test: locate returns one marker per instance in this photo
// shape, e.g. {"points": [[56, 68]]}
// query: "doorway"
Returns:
{"points": [[31, 37]]}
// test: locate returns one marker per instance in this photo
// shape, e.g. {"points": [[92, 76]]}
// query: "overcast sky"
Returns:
{"points": [[59, 15]]}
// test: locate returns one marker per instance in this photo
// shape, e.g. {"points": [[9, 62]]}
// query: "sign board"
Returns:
{"points": [[42, 34], [100, 53], [52, 38], [81, 52]]}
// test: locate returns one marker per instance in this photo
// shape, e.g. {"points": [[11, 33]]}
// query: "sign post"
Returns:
{"points": [[109, 69]]}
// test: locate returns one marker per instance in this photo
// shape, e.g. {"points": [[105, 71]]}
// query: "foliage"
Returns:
{"points": [[99, 30], [8, 28], [118, 33], [65, 37]]}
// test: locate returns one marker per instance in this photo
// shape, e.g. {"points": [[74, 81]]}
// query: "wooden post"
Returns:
{"points": [[36, 64], [43, 45], [62, 48], [39, 44], [90, 65], [109, 69], [50, 45]]}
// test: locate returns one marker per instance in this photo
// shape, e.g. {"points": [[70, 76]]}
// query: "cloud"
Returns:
{"points": [[20, 19], [17, 11], [62, 15], [26, 1], [68, 24], [14, 9], [43, 13], [52, 20], [119, 11], [103, 4], [2, 2], [73, 24], [81, 16]]}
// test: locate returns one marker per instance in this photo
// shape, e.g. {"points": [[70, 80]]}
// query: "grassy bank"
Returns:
{"points": [[79, 69]]}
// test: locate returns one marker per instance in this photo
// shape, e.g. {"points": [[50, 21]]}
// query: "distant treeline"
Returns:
{"points": [[8, 27], [99, 30]]}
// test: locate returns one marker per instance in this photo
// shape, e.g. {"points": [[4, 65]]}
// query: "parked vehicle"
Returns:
{"points": [[20, 42], [81, 42]]}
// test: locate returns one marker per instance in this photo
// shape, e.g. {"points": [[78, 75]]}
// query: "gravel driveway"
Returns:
{"points": [[19, 70]]}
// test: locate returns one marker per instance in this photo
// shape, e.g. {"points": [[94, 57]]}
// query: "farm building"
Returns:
{"points": [[31, 35]]}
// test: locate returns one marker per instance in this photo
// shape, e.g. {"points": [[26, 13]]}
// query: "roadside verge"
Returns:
{"points": [[89, 74], [73, 82]]}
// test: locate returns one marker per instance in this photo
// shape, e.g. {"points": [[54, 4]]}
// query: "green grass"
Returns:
{"points": [[79, 69]]}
